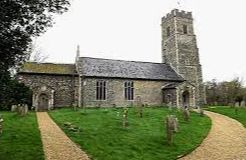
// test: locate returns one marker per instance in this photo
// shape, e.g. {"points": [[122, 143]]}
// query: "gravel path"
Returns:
{"points": [[57, 146], [226, 141]]}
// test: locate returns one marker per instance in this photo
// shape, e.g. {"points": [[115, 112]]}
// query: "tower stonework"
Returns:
{"points": [[179, 49]]}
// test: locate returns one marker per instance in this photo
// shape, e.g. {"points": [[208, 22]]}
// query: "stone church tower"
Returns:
{"points": [[179, 49]]}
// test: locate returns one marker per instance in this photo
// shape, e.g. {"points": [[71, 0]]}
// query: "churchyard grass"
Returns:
{"points": [[20, 139], [103, 136], [230, 112]]}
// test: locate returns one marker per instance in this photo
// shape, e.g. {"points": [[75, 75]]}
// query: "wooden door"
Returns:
{"points": [[43, 102]]}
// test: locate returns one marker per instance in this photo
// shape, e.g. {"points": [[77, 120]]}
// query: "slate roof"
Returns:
{"points": [[48, 68], [97, 67]]}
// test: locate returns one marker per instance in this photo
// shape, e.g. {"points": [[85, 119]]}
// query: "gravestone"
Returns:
{"points": [[25, 109], [141, 109], [237, 104], [186, 114], [138, 101], [22, 109], [125, 117], [237, 107], [171, 127], [139, 105], [13, 108], [1, 124], [242, 104]]}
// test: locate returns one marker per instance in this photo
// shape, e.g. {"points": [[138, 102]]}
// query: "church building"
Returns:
{"points": [[97, 82]]}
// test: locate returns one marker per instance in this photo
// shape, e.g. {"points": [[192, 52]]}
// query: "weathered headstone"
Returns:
{"points": [[186, 114], [237, 104], [125, 117], [141, 110], [22, 109], [171, 127], [75, 107], [25, 109], [237, 107], [138, 101], [242, 104], [139, 105], [1, 124], [19, 109], [13, 108]]}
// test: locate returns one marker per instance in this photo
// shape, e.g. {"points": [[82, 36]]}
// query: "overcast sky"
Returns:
{"points": [[130, 30]]}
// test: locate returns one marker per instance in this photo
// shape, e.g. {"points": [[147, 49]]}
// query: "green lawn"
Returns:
{"points": [[21, 138], [230, 112], [103, 137]]}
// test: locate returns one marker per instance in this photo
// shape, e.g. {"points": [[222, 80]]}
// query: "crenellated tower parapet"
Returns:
{"points": [[177, 13]]}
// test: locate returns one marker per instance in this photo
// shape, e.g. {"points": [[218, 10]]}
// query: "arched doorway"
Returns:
{"points": [[43, 102], [186, 99]]}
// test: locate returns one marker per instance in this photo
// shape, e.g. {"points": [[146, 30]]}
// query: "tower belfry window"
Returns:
{"points": [[168, 31], [185, 29]]}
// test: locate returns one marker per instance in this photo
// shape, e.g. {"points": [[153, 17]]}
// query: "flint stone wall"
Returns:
{"points": [[150, 92], [64, 86]]}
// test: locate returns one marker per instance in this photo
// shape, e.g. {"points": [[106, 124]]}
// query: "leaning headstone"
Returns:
{"points": [[1, 124], [186, 114], [125, 117], [171, 127]]}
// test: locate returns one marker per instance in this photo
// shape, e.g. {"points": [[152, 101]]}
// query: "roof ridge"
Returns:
{"points": [[124, 60], [50, 63]]}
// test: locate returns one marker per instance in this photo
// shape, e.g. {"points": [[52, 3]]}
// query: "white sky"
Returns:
{"points": [[130, 30]]}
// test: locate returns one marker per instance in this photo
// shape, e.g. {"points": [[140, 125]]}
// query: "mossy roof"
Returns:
{"points": [[47, 68]]}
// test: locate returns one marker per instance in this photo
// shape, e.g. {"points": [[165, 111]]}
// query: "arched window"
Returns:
{"points": [[129, 90], [101, 90]]}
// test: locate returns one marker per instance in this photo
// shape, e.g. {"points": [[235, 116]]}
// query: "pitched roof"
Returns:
{"points": [[97, 67], [47, 68]]}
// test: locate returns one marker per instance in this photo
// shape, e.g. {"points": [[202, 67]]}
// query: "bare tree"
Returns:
{"points": [[37, 55]]}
